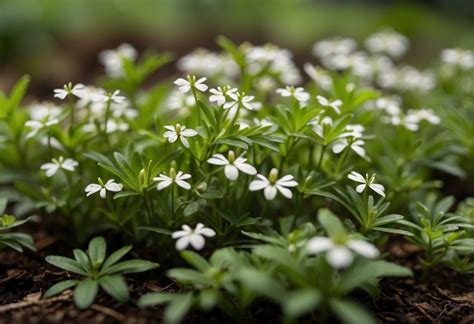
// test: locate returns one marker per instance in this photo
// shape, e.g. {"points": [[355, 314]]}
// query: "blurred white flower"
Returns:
{"points": [[60, 163], [320, 76], [68, 89], [388, 42], [339, 254], [173, 132], [113, 59], [297, 93], [232, 165], [458, 57], [37, 125], [272, 185], [45, 110], [113, 97], [179, 178], [366, 182], [334, 46], [102, 188], [335, 104], [195, 237], [210, 64], [191, 82]]}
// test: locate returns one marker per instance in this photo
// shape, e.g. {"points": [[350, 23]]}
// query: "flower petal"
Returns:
{"points": [[270, 192], [363, 248], [339, 257], [231, 172], [197, 241], [319, 244]]}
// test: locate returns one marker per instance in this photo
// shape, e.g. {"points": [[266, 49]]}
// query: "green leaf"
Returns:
{"points": [[360, 273], [392, 231], [350, 312], [178, 307], [3, 205], [330, 222], [115, 257], [152, 299], [59, 288], [301, 302], [97, 250], [189, 276], [387, 219], [132, 266], [262, 283], [195, 260], [82, 258], [66, 264], [191, 209], [85, 293], [116, 287], [156, 230]]}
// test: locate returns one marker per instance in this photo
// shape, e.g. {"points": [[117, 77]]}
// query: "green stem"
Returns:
{"points": [[196, 105], [236, 114], [107, 116], [321, 155]]}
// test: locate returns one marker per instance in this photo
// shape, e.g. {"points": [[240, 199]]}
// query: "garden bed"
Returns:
{"points": [[25, 277]]}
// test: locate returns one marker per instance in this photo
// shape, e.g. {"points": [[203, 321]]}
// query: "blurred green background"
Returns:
{"points": [[56, 41]]}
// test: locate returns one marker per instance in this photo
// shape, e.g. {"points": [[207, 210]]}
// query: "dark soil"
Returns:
{"points": [[445, 298]]}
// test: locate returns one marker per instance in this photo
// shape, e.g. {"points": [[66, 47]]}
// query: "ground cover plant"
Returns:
{"points": [[259, 186]]}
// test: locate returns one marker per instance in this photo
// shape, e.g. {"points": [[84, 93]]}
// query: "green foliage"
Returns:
{"points": [[96, 270]]}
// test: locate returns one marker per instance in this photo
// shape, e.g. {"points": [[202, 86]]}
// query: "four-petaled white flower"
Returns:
{"points": [[333, 104], [37, 125], [77, 90], [195, 237], [367, 181], [272, 185], [232, 165], [179, 178], [220, 94], [114, 97], [186, 85], [355, 145], [61, 163], [339, 254], [297, 93], [173, 132], [239, 99], [102, 188]]}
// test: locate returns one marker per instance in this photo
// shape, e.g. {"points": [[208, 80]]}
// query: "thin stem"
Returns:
{"points": [[236, 114], [71, 108], [342, 159], [107, 116], [172, 203], [321, 155], [196, 105]]}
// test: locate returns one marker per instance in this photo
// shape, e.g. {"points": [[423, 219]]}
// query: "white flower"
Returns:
{"points": [[60, 163], [114, 97], [37, 125], [387, 41], [186, 85], [340, 255], [333, 104], [232, 165], [357, 177], [195, 237], [239, 98], [42, 111], [334, 46], [458, 57], [173, 132], [76, 90], [272, 185], [297, 93], [220, 94], [320, 76], [355, 145], [102, 188], [179, 178], [113, 59]]}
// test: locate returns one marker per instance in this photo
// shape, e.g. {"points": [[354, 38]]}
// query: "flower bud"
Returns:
{"points": [[172, 173], [273, 177], [202, 186], [231, 156]]}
